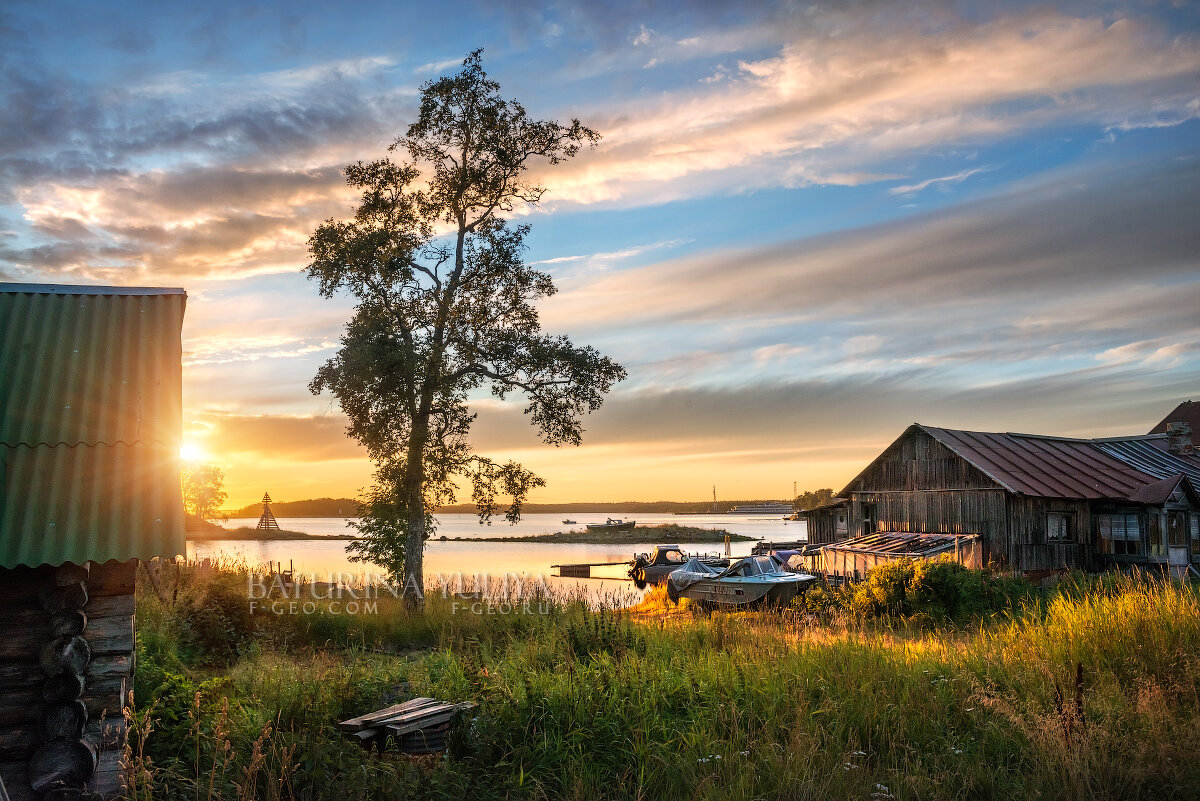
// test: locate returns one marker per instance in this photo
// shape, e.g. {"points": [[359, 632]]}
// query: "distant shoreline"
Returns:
{"points": [[662, 533], [348, 507], [246, 534], [639, 535]]}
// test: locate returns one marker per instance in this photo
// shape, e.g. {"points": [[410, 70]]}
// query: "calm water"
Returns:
{"points": [[495, 559]]}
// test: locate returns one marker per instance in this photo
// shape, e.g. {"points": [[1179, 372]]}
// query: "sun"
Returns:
{"points": [[191, 452]]}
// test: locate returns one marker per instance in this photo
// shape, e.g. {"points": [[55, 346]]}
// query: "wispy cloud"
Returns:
{"points": [[880, 88], [439, 65], [957, 178]]}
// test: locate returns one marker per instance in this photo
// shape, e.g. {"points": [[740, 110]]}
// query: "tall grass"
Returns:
{"points": [[658, 702]]}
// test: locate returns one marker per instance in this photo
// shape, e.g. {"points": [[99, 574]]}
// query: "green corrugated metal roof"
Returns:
{"points": [[90, 423]]}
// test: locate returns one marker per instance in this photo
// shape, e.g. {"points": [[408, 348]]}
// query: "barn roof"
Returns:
{"points": [[1061, 467], [90, 423]]}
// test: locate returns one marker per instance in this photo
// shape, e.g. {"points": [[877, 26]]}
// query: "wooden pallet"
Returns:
{"points": [[415, 725]]}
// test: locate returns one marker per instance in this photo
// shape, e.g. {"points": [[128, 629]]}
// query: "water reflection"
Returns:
{"points": [[446, 559]]}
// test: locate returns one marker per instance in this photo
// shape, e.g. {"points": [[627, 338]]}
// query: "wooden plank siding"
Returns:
{"points": [[980, 511], [920, 485]]}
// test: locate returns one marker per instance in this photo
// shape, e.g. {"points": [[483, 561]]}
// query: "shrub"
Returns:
{"points": [[938, 590]]}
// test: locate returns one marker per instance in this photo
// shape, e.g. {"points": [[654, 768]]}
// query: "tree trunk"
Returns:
{"points": [[414, 546]]}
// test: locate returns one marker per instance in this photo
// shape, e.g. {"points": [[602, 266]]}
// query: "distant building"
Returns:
{"points": [[1037, 503], [90, 424]]}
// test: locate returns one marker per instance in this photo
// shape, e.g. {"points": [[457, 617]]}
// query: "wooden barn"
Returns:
{"points": [[1037, 503], [90, 424]]}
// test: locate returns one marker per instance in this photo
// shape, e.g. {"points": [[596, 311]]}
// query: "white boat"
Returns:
{"points": [[758, 580]]}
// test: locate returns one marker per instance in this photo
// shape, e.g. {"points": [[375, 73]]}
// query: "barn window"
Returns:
{"points": [[1120, 534], [1195, 526], [1060, 527]]}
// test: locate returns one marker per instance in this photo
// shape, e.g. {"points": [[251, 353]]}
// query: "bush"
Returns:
{"points": [[213, 623], [938, 590]]}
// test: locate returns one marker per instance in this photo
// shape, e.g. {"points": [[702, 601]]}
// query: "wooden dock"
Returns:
{"points": [[584, 569]]}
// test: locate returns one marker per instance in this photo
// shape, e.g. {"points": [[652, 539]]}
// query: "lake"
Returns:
{"points": [[446, 560]]}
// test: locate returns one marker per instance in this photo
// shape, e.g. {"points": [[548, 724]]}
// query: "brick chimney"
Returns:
{"points": [[1179, 439]]}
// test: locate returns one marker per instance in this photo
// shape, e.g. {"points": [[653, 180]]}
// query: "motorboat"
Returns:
{"points": [[654, 567], [612, 525], [753, 580], [569, 522]]}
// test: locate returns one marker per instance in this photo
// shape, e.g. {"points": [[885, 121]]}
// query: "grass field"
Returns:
{"points": [[851, 695]]}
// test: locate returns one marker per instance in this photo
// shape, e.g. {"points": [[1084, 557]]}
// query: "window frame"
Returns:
{"points": [[1068, 518], [1121, 545]]}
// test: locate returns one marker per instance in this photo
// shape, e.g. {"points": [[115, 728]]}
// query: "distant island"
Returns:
{"points": [[348, 507], [200, 530], [666, 532]]}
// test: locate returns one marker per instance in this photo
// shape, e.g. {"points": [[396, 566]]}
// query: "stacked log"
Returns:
{"points": [[66, 654]]}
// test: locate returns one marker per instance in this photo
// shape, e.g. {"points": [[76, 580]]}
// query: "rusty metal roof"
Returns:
{"points": [[1116, 468], [90, 423], [914, 545], [1055, 467]]}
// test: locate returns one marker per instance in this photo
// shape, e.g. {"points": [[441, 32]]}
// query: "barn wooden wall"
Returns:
{"points": [[40, 634]]}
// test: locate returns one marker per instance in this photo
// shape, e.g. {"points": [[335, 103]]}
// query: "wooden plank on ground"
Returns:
{"points": [[417, 722], [373, 719]]}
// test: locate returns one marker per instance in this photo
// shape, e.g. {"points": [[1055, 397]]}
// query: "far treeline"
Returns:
{"points": [[348, 507]]}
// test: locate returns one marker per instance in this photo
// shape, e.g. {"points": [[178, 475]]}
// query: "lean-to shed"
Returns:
{"points": [[90, 424]]}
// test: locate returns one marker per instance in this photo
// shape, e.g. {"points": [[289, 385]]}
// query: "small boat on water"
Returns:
{"points": [[754, 580], [569, 522], [654, 567], [612, 525]]}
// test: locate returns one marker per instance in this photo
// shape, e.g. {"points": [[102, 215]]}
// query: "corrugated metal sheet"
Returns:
{"points": [[89, 503], [90, 368], [912, 545], [1045, 466], [1150, 456], [90, 423]]}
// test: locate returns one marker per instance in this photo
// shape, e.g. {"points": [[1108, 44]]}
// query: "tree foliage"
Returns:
{"points": [[203, 489], [811, 499], [445, 307]]}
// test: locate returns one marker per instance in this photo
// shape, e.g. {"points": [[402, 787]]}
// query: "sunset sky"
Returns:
{"points": [[806, 226]]}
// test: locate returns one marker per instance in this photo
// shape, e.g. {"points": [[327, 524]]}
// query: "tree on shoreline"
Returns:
{"points": [[445, 306], [203, 489]]}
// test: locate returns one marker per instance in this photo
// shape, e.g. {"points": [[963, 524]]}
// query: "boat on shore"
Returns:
{"points": [[612, 525], [754, 580], [654, 567]]}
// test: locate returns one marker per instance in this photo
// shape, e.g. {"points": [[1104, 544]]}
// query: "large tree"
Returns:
{"points": [[444, 308]]}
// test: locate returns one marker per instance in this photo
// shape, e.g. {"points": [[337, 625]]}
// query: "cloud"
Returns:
{"points": [[439, 65], [957, 178], [1039, 245], [863, 87]]}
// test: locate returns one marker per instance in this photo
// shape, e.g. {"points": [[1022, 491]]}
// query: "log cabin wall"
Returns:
{"points": [[66, 666]]}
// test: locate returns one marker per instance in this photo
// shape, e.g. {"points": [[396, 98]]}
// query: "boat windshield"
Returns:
{"points": [[673, 556], [754, 566]]}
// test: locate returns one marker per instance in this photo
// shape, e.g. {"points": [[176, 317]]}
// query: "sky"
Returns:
{"points": [[806, 226]]}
